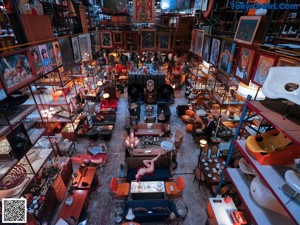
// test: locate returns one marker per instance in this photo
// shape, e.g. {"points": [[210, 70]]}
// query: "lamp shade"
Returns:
{"points": [[105, 95], [203, 142]]}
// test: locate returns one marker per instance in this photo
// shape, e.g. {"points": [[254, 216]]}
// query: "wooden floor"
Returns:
{"points": [[101, 204]]}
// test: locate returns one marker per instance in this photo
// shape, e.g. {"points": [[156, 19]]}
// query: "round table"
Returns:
{"points": [[167, 145]]}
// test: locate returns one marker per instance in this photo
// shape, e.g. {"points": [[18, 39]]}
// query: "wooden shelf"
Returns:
{"points": [[259, 214]]}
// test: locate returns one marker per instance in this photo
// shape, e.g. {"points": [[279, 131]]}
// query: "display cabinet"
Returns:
{"points": [[272, 175]]}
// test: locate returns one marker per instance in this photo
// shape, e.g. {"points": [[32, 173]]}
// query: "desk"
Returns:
{"points": [[219, 211], [79, 198], [208, 167], [147, 189]]}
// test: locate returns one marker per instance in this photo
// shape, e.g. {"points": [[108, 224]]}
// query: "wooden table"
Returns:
{"points": [[211, 173], [147, 189], [84, 175], [79, 199], [148, 132], [147, 152]]}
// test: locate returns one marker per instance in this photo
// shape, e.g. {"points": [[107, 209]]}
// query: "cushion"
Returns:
{"points": [[140, 209], [189, 127], [159, 209], [197, 118], [168, 188], [189, 112], [185, 118]]}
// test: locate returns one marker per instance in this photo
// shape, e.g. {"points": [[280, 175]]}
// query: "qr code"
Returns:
{"points": [[14, 210]]}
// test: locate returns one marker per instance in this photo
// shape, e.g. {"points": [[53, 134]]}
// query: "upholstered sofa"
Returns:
{"points": [[151, 210], [162, 172]]}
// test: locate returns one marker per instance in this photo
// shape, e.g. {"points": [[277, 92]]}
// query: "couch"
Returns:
{"points": [[162, 172], [150, 210]]}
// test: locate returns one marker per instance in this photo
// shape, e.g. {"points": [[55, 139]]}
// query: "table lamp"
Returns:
{"points": [[130, 215]]}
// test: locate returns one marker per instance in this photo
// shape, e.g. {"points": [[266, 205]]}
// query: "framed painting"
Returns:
{"points": [[85, 46], [66, 53], [48, 63], [95, 41], [215, 51], [51, 55], [200, 40], [57, 53], [287, 62], [106, 40], [3, 94], [164, 41], [262, 65], [76, 49], [37, 60], [206, 48], [144, 11], [16, 70], [246, 57], [131, 41], [118, 37], [226, 56], [148, 39], [246, 29]]}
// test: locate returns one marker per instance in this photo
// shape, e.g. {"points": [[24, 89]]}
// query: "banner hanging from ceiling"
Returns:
{"points": [[143, 11]]}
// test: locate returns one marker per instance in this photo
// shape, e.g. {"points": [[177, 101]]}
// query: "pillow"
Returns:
{"points": [[159, 209], [140, 209]]}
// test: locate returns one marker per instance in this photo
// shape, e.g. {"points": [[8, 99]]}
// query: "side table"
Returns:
{"points": [[182, 209]]}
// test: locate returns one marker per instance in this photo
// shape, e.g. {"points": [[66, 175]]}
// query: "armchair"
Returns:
{"points": [[174, 189], [119, 190], [113, 103], [104, 104]]}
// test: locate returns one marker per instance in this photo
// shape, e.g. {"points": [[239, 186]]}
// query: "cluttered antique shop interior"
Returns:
{"points": [[150, 112]]}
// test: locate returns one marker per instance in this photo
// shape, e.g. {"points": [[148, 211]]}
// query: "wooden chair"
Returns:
{"points": [[174, 189], [119, 190], [199, 177]]}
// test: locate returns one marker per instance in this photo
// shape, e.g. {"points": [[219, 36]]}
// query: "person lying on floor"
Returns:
{"points": [[147, 169]]}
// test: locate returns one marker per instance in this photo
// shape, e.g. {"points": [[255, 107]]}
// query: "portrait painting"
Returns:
{"points": [[106, 40], [95, 41], [118, 37], [200, 39], [206, 48], [66, 53], [214, 51], [85, 46], [148, 39], [164, 41], [144, 11], [226, 56], [263, 63], [287, 62], [51, 55], [37, 60], [246, 29], [47, 64], [131, 41], [16, 70], [76, 49], [246, 57], [57, 53]]}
